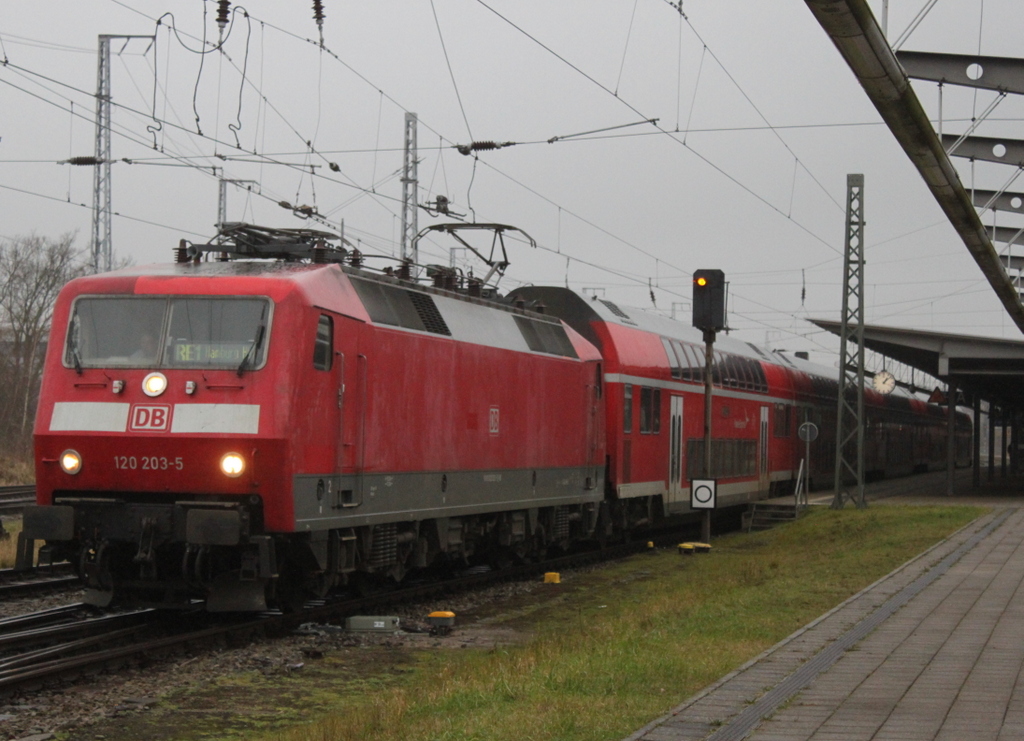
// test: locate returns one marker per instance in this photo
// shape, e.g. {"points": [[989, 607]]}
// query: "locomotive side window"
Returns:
{"points": [[167, 331], [324, 344], [627, 408]]}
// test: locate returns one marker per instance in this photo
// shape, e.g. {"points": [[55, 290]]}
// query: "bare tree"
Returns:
{"points": [[33, 269]]}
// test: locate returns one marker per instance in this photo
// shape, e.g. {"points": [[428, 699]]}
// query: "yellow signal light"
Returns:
{"points": [[702, 281]]}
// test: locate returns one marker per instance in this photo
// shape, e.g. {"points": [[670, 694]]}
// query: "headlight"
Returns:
{"points": [[232, 465], [154, 384], [71, 462]]}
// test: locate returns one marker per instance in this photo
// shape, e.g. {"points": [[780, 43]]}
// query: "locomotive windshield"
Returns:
{"points": [[167, 332]]}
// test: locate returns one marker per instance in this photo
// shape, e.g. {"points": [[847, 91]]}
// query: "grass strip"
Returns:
{"points": [[611, 648], [625, 643]]}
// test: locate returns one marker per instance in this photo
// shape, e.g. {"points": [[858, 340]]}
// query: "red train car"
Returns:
{"points": [[238, 432], [254, 433], [654, 373]]}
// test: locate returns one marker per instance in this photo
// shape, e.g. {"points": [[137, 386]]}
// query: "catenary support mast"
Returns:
{"points": [[850, 402], [102, 212], [410, 183]]}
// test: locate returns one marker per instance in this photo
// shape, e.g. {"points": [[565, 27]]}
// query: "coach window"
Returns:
{"points": [[650, 411], [695, 369], [656, 411], [674, 363], [645, 410], [782, 424], [322, 348], [627, 408]]}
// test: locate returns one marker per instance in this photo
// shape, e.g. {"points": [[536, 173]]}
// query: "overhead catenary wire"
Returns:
{"points": [[451, 72], [119, 215], [625, 47], [204, 135], [668, 133], [371, 188]]}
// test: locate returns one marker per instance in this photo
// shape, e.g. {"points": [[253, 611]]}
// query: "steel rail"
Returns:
{"points": [[79, 628], [49, 616], [15, 583], [13, 498]]}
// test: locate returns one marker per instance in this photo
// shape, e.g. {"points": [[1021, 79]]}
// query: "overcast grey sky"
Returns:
{"points": [[759, 122]]}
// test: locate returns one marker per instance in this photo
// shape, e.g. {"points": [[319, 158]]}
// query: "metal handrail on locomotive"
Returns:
{"points": [[258, 428]]}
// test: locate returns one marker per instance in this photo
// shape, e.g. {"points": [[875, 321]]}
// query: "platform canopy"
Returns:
{"points": [[990, 368]]}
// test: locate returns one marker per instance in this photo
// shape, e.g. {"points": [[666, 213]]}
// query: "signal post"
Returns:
{"points": [[708, 316]]}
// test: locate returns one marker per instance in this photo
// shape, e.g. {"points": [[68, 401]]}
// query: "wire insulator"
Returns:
{"points": [[318, 14], [223, 12], [481, 146]]}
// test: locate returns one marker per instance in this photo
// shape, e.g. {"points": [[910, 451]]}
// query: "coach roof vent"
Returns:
{"points": [[618, 312]]}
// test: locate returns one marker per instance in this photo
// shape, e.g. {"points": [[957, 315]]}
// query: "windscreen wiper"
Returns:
{"points": [[253, 349]]}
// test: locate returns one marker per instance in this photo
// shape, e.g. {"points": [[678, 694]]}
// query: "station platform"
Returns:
{"points": [[934, 650]]}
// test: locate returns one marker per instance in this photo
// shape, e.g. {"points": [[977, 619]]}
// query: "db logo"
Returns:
{"points": [[150, 418], [493, 421]]}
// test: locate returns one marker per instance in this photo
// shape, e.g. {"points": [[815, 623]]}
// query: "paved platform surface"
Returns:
{"points": [[934, 650]]}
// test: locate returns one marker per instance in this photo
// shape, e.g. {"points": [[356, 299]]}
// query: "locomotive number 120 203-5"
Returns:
{"points": [[148, 463]]}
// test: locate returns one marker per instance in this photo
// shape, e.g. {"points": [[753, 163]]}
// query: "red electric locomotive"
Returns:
{"points": [[255, 433]]}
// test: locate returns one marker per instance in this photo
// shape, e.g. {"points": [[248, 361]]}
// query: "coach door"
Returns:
{"points": [[675, 450], [762, 452]]}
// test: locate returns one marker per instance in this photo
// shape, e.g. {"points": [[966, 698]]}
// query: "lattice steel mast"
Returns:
{"points": [[850, 403], [102, 213], [410, 184]]}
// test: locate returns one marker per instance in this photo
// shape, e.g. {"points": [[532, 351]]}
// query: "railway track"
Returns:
{"points": [[57, 646], [42, 578], [13, 498], [39, 580]]}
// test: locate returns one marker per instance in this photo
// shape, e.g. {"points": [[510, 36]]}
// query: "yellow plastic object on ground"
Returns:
{"points": [[690, 548], [441, 617], [552, 577], [441, 622]]}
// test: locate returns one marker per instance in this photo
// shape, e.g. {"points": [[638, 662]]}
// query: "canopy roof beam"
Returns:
{"points": [[853, 29]]}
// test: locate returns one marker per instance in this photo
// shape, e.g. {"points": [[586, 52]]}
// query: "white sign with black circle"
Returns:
{"points": [[703, 493], [808, 432]]}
